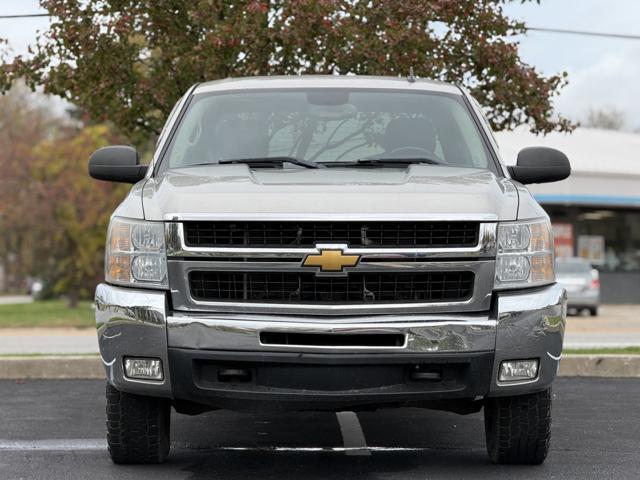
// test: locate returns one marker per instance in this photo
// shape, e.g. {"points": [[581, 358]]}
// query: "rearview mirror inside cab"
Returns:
{"points": [[119, 163], [540, 165]]}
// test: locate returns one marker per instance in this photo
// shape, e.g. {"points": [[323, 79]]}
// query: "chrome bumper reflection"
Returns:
{"points": [[524, 324], [132, 323], [530, 325], [423, 334]]}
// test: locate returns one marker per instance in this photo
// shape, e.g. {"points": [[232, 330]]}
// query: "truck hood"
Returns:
{"points": [[419, 191]]}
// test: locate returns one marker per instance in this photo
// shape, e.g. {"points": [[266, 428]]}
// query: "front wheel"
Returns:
{"points": [[137, 427], [518, 428]]}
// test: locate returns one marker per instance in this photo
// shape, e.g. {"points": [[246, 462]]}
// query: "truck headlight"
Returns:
{"points": [[136, 254], [525, 254]]}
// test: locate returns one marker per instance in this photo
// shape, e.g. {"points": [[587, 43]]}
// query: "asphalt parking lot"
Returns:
{"points": [[55, 430]]}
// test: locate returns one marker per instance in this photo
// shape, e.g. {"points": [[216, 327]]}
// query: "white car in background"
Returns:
{"points": [[582, 283]]}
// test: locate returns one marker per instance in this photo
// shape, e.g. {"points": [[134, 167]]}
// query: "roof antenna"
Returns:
{"points": [[411, 78]]}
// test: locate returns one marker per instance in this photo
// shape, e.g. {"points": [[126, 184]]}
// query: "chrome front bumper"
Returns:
{"points": [[138, 323]]}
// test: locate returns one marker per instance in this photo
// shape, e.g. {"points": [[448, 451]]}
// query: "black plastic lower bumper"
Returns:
{"points": [[307, 381]]}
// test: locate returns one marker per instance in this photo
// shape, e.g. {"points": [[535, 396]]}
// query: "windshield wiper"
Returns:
{"points": [[269, 161], [383, 162], [401, 161]]}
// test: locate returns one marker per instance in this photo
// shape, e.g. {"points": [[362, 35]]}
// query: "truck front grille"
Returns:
{"points": [[354, 234], [308, 288]]}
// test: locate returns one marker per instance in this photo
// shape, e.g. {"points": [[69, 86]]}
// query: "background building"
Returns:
{"points": [[596, 211]]}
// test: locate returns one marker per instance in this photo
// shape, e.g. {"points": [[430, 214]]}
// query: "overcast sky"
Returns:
{"points": [[603, 73]]}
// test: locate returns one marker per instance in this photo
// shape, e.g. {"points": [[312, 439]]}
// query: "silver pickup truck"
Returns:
{"points": [[329, 243]]}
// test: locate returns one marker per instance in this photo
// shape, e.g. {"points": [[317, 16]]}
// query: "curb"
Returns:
{"points": [[576, 365], [90, 367]]}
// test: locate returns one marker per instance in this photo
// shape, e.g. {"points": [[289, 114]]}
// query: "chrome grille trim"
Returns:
{"points": [[182, 259], [176, 247], [363, 234], [182, 299], [343, 217]]}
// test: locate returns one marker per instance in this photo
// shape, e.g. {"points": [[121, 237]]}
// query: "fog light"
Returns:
{"points": [[143, 368], [518, 370]]}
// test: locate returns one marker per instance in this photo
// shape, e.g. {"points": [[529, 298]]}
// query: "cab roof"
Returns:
{"points": [[326, 81]]}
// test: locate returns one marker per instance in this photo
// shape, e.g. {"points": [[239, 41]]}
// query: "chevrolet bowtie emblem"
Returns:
{"points": [[330, 260]]}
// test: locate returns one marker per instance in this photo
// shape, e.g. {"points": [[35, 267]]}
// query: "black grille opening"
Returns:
{"points": [[354, 234], [332, 340], [308, 288]]}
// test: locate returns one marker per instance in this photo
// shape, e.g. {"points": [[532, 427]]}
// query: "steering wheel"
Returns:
{"points": [[416, 152]]}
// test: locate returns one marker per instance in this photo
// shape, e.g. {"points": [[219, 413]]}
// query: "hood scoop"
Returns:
{"points": [[417, 191]]}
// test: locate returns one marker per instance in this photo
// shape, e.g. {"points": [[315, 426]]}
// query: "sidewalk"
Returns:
{"points": [[616, 326], [39, 341], [15, 299]]}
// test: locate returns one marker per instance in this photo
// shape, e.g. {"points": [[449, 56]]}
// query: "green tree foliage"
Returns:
{"points": [[25, 120], [53, 216], [73, 210], [129, 61]]}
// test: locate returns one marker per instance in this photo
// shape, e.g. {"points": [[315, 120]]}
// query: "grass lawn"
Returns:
{"points": [[602, 351], [46, 313]]}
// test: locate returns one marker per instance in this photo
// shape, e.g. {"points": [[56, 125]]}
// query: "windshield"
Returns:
{"points": [[328, 126]]}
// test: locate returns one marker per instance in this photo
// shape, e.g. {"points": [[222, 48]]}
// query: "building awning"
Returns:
{"points": [[590, 200], [605, 166]]}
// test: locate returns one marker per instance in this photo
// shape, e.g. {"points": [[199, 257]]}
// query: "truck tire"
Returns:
{"points": [[593, 311], [518, 428], [137, 427]]}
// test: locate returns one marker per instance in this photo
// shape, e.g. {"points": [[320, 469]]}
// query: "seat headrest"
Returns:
{"points": [[409, 132]]}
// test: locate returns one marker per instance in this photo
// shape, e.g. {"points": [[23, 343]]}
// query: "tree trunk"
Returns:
{"points": [[72, 298]]}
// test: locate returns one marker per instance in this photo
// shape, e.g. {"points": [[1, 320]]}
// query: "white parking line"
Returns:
{"points": [[94, 444], [352, 435], [347, 451], [354, 442], [59, 445]]}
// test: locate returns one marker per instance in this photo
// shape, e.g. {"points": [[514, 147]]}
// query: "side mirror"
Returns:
{"points": [[540, 165], [119, 163]]}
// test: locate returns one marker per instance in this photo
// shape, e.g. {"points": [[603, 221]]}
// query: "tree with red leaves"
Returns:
{"points": [[128, 61]]}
